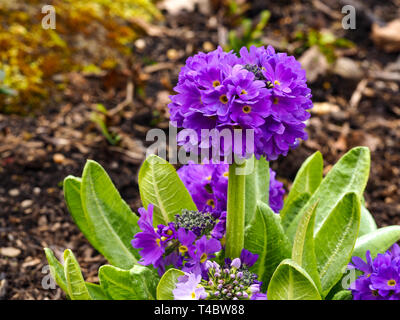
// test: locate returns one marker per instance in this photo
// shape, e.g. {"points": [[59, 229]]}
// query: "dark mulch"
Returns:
{"points": [[37, 153]]}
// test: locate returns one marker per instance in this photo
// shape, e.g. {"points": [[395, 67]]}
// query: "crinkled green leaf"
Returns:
{"points": [[291, 282], [335, 240], [303, 252], [167, 284], [264, 236], [307, 180], [139, 283], [76, 286], [109, 219], [377, 241], [160, 185], [257, 186]]}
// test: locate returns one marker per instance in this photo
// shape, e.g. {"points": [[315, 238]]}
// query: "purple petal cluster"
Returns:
{"points": [[208, 186], [231, 282], [380, 279], [187, 243], [260, 90]]}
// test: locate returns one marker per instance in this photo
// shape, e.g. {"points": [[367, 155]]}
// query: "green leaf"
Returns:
{"points": [[335, 240], [307, 180], [139, 283], [72, 195], [293, 209], [56, 270], [377, 241], [349, 174], [264, 236], [96, 292], [257, 186], [291, 282], [343, 295], [109, 218], [367, 223], [160, 185], [76, 286], [303, 251], [167, 284]]}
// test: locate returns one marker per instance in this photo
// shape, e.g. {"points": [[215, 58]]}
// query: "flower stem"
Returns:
{"points": [[235, 211]]}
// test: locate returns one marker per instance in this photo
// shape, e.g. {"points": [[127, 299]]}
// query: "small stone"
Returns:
{"points": [[13, 192], [140, 44], [26, 203], [58, 158], [348, 69], [172, 54], [10, 252], [208, 46], [36, 191]]}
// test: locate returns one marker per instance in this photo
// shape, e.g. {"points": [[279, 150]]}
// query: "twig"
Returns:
{"points": [[127, 102], [325, 9], [357, 94]]}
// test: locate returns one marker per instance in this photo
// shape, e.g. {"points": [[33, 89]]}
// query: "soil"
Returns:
{"points": [[37, 152]]}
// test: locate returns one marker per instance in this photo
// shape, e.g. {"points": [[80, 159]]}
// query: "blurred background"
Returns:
{"points": [[92, 87]]}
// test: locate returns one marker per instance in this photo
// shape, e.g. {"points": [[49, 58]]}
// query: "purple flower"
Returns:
{"points": [[248, 259], [276, 192], [189, 288], [148, 240], [381, 276], [260, 90], [204, 250], [208, 186]]}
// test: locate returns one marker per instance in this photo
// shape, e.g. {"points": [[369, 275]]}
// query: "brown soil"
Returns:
{"points": [[38, 152]]}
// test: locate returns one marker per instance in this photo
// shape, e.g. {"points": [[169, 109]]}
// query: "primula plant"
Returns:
{"points": [[225, 230]]}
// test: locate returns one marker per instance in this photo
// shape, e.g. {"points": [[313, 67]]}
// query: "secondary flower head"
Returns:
{"points": [[186, 243], [380, 279], [189, 288], [221, 283], [208, 186], [259, 90]]}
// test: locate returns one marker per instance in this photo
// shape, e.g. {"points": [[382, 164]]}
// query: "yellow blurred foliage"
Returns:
{"points": [[90, 35]]}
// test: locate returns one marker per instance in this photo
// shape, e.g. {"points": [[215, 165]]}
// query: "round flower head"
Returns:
{"points": [[259, 91], [231, 282], [381, 276], [208, 186]]}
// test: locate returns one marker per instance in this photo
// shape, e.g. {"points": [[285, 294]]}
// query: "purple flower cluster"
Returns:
{"points": [[260, 90], [208, 186], [232, 282], [381, 276], [187, 243]]}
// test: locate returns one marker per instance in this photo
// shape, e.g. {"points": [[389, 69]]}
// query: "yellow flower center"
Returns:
{"points": [[158, 242], [163, 238], [226, 174], [183, 249], [211, 203], [216, 83], [193, 295], [223, 99], [203, 258], [243, 92], [246, 109], [391, 282], [208, 178], [277, 83], [169, 232]]}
